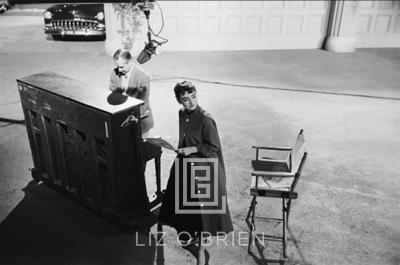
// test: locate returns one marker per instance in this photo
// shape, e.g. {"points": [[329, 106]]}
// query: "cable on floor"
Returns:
{"points": [[274, 88], [159, 78]]}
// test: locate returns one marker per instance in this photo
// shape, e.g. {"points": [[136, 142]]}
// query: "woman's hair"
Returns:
{"points": [[183, 87], [122, 54]]}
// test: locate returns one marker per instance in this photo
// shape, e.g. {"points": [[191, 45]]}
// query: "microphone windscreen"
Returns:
{"points": [[144, 56]]}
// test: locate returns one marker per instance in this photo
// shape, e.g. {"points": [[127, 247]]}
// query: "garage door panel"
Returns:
{"points": [[190, 5], [253, 25], [212, 26], [231, 25], [295, 24], [318, 5], [365, 4], [274, 25], [386, 4], [212, 5], [397, 24], [232, 5], [364, 24], [382, 24], [255, 5], [190, 25], [275, 5], [171, 27], [315, 24], [377, 24]]}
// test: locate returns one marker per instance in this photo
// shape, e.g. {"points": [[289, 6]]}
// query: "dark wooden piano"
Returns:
{"points": [[80, 148]]}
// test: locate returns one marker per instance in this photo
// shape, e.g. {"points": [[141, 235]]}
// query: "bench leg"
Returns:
{"points": [[157, 162], [159, 193]]}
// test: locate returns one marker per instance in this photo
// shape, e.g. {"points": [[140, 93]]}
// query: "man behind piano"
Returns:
{"points": [[129, 79]]}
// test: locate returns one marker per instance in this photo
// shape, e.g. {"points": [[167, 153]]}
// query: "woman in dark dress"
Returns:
{"points": [[205, 212]]}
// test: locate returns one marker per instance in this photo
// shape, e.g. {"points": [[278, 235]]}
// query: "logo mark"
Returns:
{"points": [[197, 188]]}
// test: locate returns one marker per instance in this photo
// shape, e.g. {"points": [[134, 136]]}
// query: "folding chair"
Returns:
{"points": [[275, 178]]}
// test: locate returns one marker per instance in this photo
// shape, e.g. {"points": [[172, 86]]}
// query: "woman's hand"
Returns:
{"points": [[185, 151]]}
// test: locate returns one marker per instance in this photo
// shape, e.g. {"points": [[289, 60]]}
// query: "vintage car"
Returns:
{"points": [[75, 20], [3, 6]]}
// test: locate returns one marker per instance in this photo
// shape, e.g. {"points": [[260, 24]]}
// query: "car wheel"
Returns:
{"points": [[56, 37]]}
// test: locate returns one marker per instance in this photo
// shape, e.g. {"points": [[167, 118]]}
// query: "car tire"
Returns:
{"points": [[56, 37]]}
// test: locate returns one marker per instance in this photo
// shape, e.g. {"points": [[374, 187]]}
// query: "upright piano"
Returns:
{"points": [[80, 148]]}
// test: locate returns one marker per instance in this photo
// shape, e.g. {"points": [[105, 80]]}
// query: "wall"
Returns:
{"points": [[248, 25]]}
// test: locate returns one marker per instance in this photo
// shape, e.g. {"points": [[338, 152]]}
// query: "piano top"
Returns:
{"points": [[78, 91]]}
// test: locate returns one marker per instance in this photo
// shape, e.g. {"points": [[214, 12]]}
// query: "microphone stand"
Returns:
{"points": [[147, 14]]}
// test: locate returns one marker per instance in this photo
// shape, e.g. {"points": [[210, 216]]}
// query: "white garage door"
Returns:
{"points": [[236, 25], [378, 24]]}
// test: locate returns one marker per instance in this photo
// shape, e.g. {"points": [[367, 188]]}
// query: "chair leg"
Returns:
{"points": [[249, 212], [288, 211], [251, 223], [284, 224]]}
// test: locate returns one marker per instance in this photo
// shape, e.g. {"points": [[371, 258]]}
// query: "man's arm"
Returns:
{"points": [[145, 92], [113, 85]]}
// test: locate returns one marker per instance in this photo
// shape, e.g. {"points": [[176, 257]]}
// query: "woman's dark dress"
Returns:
{"points": [[197, 128]]}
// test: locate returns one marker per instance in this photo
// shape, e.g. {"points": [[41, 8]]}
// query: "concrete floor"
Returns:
{"points": [[348, 210]]}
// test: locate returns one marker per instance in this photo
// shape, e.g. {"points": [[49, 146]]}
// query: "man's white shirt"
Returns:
{"points": [[125, 80]]}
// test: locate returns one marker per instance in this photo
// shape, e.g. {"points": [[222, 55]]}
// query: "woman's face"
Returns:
{"points": [[189, 100]]}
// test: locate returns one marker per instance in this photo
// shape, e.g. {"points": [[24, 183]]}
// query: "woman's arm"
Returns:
{"points": [[185, 151], [210, 144]]}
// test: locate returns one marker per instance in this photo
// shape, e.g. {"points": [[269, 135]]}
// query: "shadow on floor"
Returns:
{"points": [[261, 259], [48, 228]]}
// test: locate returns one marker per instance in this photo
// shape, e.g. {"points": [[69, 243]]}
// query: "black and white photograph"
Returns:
{"points": [[158, 132]]}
